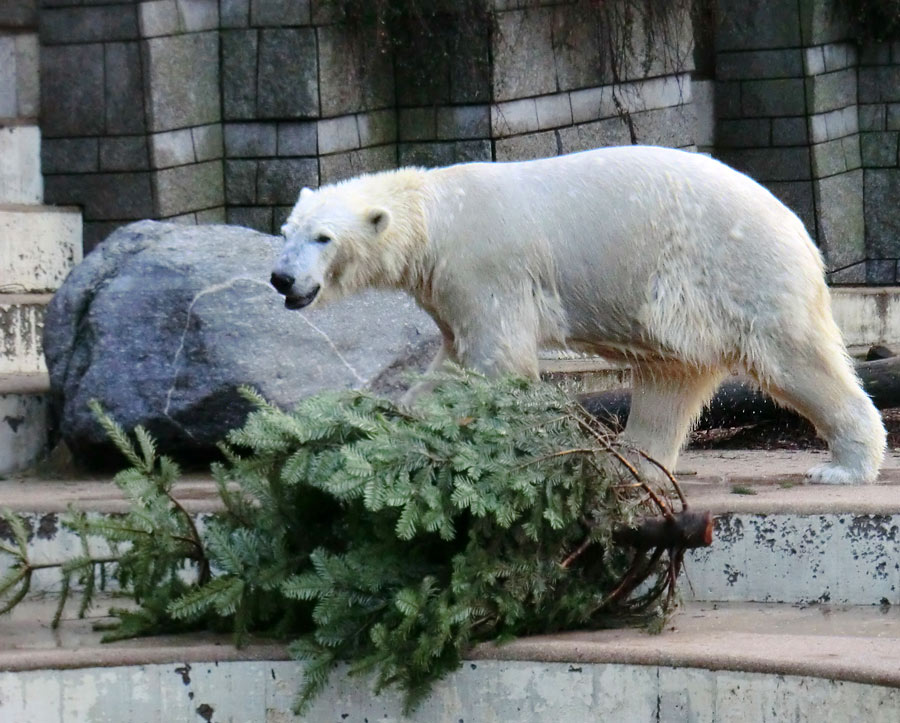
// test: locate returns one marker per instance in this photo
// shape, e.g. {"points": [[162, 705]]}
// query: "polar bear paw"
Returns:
{"points": [[829, 473]]}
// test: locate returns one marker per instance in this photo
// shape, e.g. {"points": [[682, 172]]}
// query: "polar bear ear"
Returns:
{"points": [[380, 218]]}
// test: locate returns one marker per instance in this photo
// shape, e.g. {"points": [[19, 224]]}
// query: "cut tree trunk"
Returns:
{"points": [[739, 401]]}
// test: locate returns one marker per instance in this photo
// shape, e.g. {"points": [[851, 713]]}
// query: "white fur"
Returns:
{"points": [[670, 260]]}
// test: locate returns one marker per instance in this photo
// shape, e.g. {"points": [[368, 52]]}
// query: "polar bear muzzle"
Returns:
{"points": [[284, 284]]}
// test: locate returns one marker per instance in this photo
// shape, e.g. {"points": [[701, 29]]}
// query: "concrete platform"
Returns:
{"points": [[711, 663], [24, 421], [39, 245]]}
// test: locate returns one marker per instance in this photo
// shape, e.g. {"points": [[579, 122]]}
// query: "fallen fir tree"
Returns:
{"points": [[388, 538]]}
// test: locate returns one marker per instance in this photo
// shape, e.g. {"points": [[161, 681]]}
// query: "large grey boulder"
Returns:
{"points": [[162, 322]]}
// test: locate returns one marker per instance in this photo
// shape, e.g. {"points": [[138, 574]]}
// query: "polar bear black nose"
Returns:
{"points": [[282, 282]]}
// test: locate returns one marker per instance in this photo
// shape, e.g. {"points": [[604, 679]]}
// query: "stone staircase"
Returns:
{"points": [[38, 246], [793, 611]]}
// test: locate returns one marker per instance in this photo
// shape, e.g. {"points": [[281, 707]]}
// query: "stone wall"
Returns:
{"points": [[130, 110], [210, 110]]}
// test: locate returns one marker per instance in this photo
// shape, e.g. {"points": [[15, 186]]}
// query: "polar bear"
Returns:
{"points": [[670, 260]]}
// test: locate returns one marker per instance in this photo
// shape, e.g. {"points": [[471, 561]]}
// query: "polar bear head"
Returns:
{"points": [[345, 237]]}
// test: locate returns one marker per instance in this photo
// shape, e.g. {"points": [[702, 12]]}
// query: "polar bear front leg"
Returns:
{"points": [[666, 399], [445, 353]]}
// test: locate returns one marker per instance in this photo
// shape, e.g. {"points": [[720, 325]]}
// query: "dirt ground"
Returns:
{"points": [[788, 433]]}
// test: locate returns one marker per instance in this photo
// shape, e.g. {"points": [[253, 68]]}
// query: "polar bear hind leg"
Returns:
{"points": [[809, 370], [666, 399]]}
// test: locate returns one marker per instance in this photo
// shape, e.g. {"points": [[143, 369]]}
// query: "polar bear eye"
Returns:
{"points": [[322, 239]]}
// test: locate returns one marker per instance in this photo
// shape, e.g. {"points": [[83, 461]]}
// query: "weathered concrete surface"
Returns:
{"points": [[21, 327], [38, 246], [163, 322], [737, 663], [24, 420], [867, 315]]}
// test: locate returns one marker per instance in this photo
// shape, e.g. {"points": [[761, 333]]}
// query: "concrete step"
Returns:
{"points": [[20, 164], [24, 404], [867, 315], [39, 245], [737, 663], [777, 539], [21, 331]]}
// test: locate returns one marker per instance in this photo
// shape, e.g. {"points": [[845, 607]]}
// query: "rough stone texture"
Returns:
{"points": [[240, 183], [279, 12], [88, 24], [182, 78], [842, 225], [879, 150], [287, 84], [523, 54], [20, 165], [583, 137], [831, 91], [339, 166], [882, 189], [18, 14], [124, 88], [797, 196], [772, 97], [72, 92], [354, 74], [258, 218], [771, 164], [24, 421], [19, 84], [279, 180], [69, 155], [172, 148], [297, 139], [188, 188], [250, 140], [758, 64], [757, 24], [239, 49], [103, 196], [123, 153], [879, 84], [162, 322], [443, 153], [744, 133]]}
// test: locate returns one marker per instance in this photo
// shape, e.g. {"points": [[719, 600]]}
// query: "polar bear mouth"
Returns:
{"points": [[298, 301]]}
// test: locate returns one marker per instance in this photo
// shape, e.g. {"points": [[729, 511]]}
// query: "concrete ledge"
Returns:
{"points": [[39, 245], [867, 315], [21, 330], [23, 425], [709, 664]]}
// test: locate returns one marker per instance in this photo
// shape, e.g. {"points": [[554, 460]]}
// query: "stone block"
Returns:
{"points": [[27, 93], [759, 64], [892, 121], [882, 189], [255, 217], [523, 57], [287, 80], [770, 164], [881, 271], [728, 99], [831, 91], [472, 151], [757, 24], [19, 14], [377, 127], [576, 48], [465, 121], [531, 145], [470, 68], [833, 124], [514, 117], [297, 139], [879, 84], [797, 196], [208, 143], [873, 117], [782, 97], [196, 16], [173, 148], [279, 180], [124, 89], [72, 93], [839, 56], [251, 140], [443, 153], [53, 246], [240, 183], [853, 274], [339, 166], [879, 150], [354, 74], [70, 155], [416, 124], [188, 188], [90, 24], [338, 134], [704, 112], [239, 50], [278, 13], [182, 80], [829, 158], [744, 133], [665, 126], [597, 134], [553, 111], [124, 153], [824, 21], [103, 196], [592, 104], [789, 131], [875, 54], [326, 12], [841, 225], [159, 17], [9, 105], [211, 215], [20, 165], [234, 13]]}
